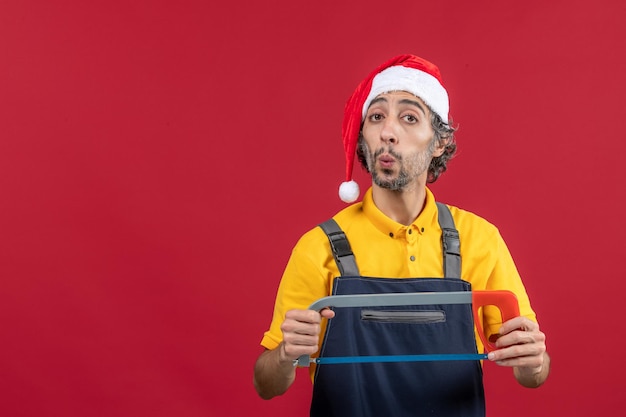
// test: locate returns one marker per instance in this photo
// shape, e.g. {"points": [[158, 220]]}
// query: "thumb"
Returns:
{"points": [[327, 313]]}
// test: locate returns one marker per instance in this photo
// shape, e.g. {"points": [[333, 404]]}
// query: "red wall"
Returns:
{"points": [[159, 159]]}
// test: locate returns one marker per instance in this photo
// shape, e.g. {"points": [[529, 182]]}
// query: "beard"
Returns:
{"points": [[408, 167]]}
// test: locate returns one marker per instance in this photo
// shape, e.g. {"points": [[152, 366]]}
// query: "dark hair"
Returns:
{"points": [[439, 164]]}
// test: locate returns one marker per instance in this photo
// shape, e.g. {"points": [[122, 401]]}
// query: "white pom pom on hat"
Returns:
{"points": [[349, 191], [408, 73]]}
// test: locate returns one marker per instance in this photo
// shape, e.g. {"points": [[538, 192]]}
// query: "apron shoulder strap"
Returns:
{"points": [[450, 242], [341, 249]]}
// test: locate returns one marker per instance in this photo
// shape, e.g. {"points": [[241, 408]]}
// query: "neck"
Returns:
{"points": [[401, 206]]}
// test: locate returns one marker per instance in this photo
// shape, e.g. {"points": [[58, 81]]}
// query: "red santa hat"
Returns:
{"points": [[408, 73]]}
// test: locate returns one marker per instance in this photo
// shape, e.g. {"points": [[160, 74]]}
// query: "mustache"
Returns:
{"points": [[388, 150]]}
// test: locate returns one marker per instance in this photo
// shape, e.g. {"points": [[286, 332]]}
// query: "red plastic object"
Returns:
{"points": [[504, 300]]}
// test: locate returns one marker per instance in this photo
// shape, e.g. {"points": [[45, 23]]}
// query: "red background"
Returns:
{"points": [[159, 159]]}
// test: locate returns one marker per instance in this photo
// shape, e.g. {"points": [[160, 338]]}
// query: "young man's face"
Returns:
{"points": [[398, 140]]}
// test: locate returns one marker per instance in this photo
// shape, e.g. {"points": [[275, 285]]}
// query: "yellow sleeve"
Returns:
{"points": [[504, 276], [307, 278]]}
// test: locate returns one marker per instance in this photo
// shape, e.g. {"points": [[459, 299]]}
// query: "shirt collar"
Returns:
{"points": [[424, 221]]}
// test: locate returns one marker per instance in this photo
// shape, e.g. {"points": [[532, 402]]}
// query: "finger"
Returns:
{"points": [[528, 356], [327, 313], [520, 337], [305, 316], [291, 351], [518, 323], [522, 345], [296, 327], [294, 339]]}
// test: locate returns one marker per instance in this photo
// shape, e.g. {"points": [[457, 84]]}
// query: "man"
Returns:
{"points": [[397, 123]]}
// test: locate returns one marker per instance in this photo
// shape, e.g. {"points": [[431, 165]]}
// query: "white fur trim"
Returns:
{"points": [[419, 83], [349, 191]]}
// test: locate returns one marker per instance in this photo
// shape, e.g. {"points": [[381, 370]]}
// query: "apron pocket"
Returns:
{"points": [[404, 316]]}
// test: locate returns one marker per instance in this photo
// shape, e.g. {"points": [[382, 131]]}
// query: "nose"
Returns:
{"points": [[388, 133]]}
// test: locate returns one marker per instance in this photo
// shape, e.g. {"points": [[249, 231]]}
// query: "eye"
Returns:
{"points": [[375, 117], [410, 118]]}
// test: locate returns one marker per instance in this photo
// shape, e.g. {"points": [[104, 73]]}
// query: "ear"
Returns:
{"points": [[440, 148]]}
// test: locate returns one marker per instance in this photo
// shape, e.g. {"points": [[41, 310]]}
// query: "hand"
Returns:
{"points": [[274, 371], [522, 345], [301, 330]]}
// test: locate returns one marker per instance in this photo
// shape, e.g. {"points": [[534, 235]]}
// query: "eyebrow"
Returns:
{"points": [[403, 101]]}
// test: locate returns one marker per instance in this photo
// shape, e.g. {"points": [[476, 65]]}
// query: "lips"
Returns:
{"points": [[386, 161]]}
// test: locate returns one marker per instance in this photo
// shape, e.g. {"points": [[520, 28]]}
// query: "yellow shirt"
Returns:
{"points": [[384, 248]]}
